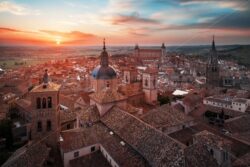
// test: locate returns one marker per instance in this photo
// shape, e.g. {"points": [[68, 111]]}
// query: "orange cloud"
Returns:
{"points": [[44, 37]]}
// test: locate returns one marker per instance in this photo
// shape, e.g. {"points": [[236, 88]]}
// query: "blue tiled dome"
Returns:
{"points": [[101, 72]]}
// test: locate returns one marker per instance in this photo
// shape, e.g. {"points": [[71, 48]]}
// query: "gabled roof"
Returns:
{"points": [[197, 155], [157, 148], [215, 141], [165, 116]]}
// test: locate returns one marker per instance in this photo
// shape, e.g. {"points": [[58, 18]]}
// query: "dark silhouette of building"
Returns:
{"points": [[212, 69]]}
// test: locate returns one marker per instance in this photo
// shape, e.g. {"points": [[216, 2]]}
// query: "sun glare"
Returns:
{"points": [[58, 40]]}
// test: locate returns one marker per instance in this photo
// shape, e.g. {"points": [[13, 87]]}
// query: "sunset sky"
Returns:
{"points": [[124, 22]]}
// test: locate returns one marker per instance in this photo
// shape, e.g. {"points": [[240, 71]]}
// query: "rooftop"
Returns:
{"points": [[99, 133], [106, 96], [165, 116], [197, 155], [50, 87], [33, 155], [157, 148], [208, 138]]}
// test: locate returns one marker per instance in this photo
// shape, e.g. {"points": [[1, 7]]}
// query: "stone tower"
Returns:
{"points": [[149, 85], [130, 75], [45, 121], [212, 69], [163, 52]]}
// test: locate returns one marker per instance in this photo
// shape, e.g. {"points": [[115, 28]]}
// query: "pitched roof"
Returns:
{"points": [[33, 155], [106, 96], [124, 155], [243, 161], [157, 148], [208, 138], [197, 155], [165, 116]]}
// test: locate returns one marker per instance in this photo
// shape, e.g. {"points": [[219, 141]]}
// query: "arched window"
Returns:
{"points": [[44, 103], [49, 102], [107, 84], [38, 103], [48, 125], [146, 82], [39, 126]]}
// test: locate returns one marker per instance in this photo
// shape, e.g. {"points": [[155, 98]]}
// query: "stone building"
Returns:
{"points": [[149, 84], [147, 56], [44, 109]]}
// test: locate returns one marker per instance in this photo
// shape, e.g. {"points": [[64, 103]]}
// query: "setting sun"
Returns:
{"points": [[58, 40]]}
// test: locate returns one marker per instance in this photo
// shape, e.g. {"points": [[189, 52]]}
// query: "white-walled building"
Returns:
{"points": [[236, 104]]}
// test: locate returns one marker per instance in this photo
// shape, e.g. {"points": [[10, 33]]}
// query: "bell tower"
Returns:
{"points": [[163, 53], [149, 85], [45, 121]]}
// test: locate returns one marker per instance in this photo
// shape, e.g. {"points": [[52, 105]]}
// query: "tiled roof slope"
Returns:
{"points": [[157, 148]]}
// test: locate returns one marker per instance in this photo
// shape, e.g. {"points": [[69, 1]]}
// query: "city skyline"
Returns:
{"points": [[149, 22]]}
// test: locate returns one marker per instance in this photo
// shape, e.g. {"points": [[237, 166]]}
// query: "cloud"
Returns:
{"points": [[238, 5], [72, 34], [15, 36], [3, 30], [134, 18], [6, 6]]}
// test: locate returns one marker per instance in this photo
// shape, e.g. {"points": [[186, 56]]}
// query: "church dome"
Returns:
{"points": [[104, 71], [101, 72]]}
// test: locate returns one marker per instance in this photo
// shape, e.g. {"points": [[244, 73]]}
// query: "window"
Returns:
{"points": [[225, 156], [126, 78], [211, 151], [68, 126], [44, 102], [93, 149], [48, 125], [38, 103], [76, 154], [107, 84], [154, 82], [146, 82], [49, 102], [39, 126]]}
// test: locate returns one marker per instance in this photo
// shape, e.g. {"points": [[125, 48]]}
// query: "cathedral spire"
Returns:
{"points": [[104, 47], [163, 46], [213, 45], [104, 56]]}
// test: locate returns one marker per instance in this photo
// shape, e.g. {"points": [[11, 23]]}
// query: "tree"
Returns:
{"points": [[6, 132], [163, 100]]}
